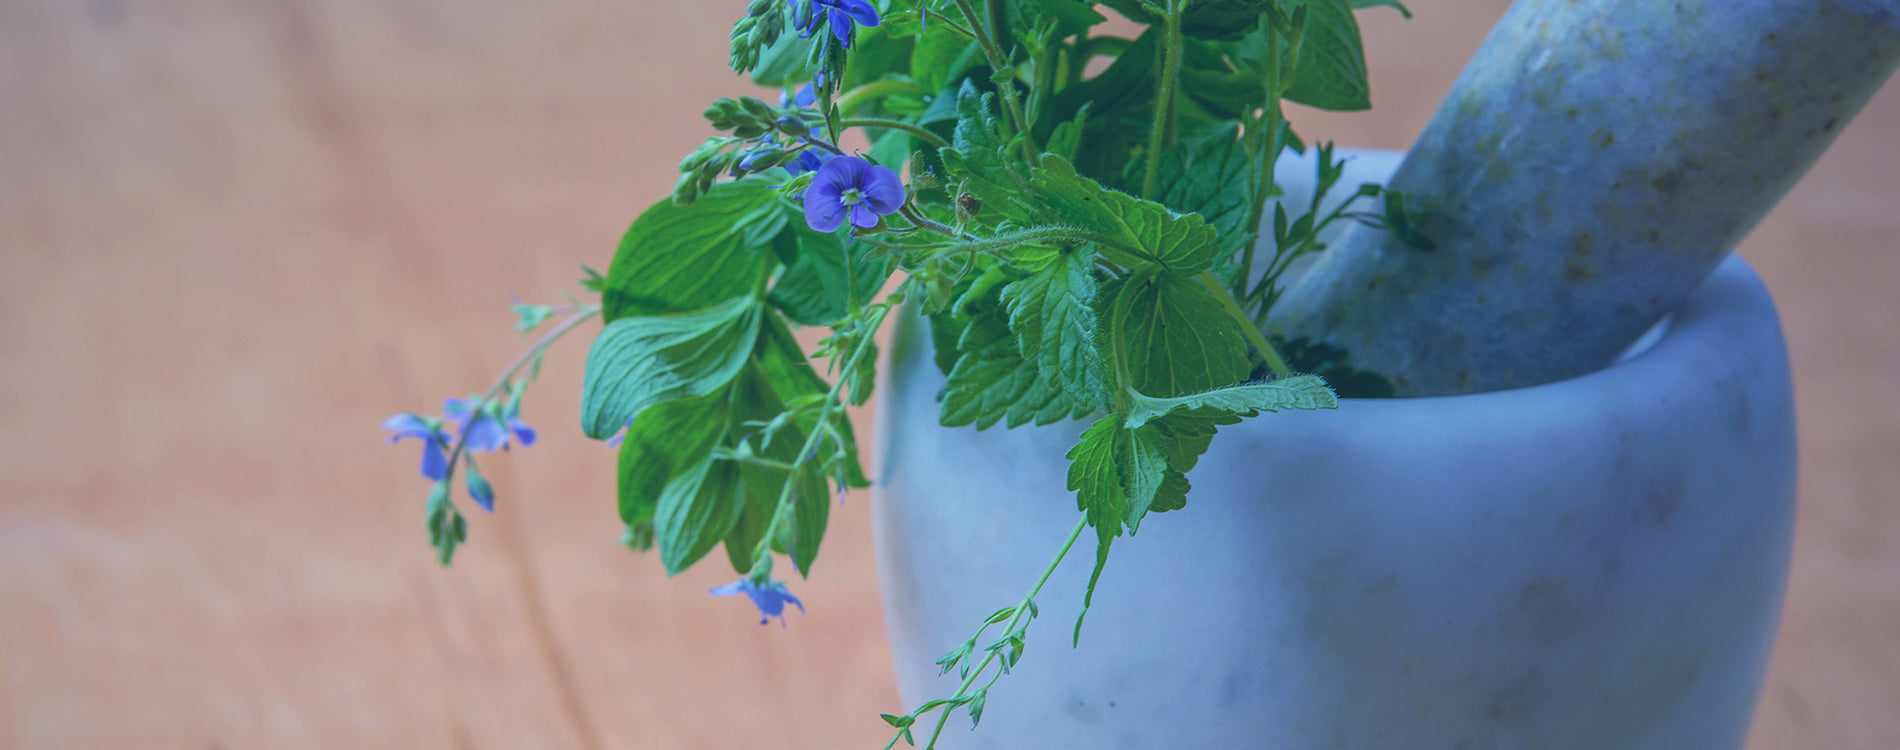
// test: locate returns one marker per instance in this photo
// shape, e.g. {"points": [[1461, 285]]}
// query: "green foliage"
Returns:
{"points": [[1298, 392], [641, 361], [1082, 247], [677, 258], [1051, 313], [1175, 338]]}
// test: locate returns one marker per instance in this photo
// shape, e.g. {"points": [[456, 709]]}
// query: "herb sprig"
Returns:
{"points": [[1082, 245]]}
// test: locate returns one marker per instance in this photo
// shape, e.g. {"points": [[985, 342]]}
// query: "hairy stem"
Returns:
{"points": [[999, 60], [1160, 136]]}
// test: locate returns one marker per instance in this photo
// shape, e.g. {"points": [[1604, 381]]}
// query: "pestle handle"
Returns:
{"points": [[1592, 164]]}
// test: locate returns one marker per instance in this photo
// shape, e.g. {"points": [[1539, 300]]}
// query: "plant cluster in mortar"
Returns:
{"points": [[1082, 243]]}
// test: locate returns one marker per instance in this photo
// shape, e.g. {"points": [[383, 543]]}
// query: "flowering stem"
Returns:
{"points": [[1164, 100], [1023, 607], [809, 450], [508, 373], [873, 122]]}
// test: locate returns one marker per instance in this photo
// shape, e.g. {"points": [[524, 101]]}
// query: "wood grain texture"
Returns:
{"points": [[235, 235]]}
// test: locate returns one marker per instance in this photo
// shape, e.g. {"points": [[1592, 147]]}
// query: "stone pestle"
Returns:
{"points": [[1590, 167]]}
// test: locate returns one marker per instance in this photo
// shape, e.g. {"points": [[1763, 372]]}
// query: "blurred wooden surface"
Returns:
{"points": [[235, 235]]}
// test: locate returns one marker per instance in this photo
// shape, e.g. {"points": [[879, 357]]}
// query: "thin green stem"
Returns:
{"points": [[887, 87], [875, 122], [1022, 608], [1247, 327], [508, 373], [808, 451], [1160, 136], [1268, 151]]}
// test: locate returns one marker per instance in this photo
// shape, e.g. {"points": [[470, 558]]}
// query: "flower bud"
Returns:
{"points": [[792, 126]]}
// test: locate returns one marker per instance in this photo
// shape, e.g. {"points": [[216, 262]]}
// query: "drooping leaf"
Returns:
{"points": [[664, 442], [1097, 483], [1176, 338], [755, 400], [696, 511], [1051, 314], [1296, 392], [791, 377], [677, 258], [641, 361]]}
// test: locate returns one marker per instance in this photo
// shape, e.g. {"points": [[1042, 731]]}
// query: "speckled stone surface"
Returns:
{"points": [[1595, 160], [1592, 564]]}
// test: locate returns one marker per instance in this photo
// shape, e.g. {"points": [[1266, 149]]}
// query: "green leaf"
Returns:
{"points": [[786, 62], [756, 400], [638, 362], [1099, 494], [942, 58], [1297, 392], [1051, 314], [677, 258], [1331, 71], [791, 377], [1221, 19], [816, 289], [989, 380], [745, 534], [1071, 16], [696, 511], [1134, 232], [663, 443], [1176, 338], [1212, 175]]}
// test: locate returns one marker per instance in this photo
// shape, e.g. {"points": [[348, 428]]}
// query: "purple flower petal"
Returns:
{"points": [[840, 26], [482, 434], [863, 217], [859, 10], [883, 190], [405, 424], [807, 97], [435, 463], [522, 431], [769, 598]]}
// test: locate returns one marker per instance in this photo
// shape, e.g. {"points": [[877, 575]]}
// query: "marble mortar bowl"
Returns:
{"points": [[1596, 563]]}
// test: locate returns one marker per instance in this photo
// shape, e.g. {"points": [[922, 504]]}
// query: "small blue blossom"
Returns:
{"points": [[808, 15], [770, 598], [481, 432], [806, 98], [435, 460], [809, 160], [848, 187]]}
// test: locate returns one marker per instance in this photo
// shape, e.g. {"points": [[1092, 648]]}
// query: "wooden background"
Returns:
{"points": [[234, 235]]}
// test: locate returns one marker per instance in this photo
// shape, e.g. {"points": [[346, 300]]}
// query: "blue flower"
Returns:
{"points": [[809, 160], [850, 187], [806, 98], [808, 15], [770, 598], [435, 460], [481, 432]]}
